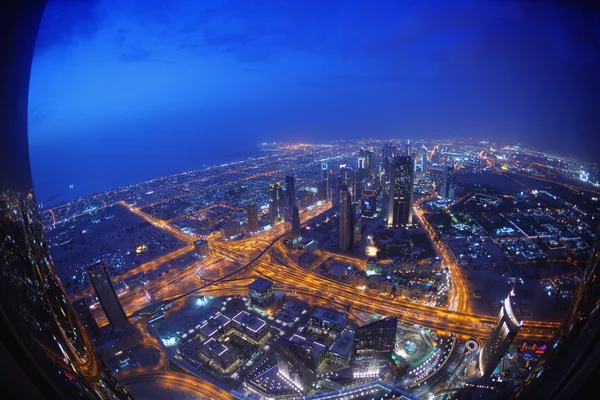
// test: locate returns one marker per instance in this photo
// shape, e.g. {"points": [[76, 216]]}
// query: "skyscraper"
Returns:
{"points": [[369, 198], [296, 225], [325, 178], [571, 364], [401, 192], [501, 337], [447, 187], [275, 203], [346, 220], [290, 190], [335, 184], [87, 319], [252, 211], [374, 344], [423, 161], [107, 296]]}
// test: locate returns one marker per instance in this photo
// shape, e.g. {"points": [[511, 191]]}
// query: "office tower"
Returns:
{"points": [[506, 329], [423, 161], [275, 203], [296, 233], [408, 149], [321, 191], [373, 346], [45, 351], [572, 361], [252, 211], [87, 319], [107, 296], [346, 222], [447, 187], [401, 192], [369, 203], [297, 361], [261, 293], [325, 178], [335, 186], [290, 190]]}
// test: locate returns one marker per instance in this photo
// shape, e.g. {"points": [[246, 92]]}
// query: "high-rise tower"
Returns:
{"points": [[252, 211], [275, 203], [401, 192], [447, 187], [290, 190], [296, 225], [501, 337], [346, 220], [107, 296]]}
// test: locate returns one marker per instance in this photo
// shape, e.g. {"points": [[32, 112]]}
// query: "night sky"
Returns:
{"points": [[123, 91]]}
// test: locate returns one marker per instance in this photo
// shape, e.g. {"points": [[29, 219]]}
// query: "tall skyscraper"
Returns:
{"points": [[87, 319], [296, 225], [423, 161], [571, 363], [335, 184], [275, 203], [374, 344], [401, 192], [447, 187], [107, 296], [325, 178], [369, 199], [290, 190], [346, 220], [501, 337], [298, 361], [252, 211]]}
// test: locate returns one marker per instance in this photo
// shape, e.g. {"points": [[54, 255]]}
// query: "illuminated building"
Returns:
{"points": [[325, 179], [296, 232], [252, 211], [298, 360], [261, 293], [275, 203], [335, 184], [346, 222], [447, 187], [327, 321], [401, 192], [341, 350], [201, 248], [250, 326], [87, 319], [107, 297], [570, 365], [374, 344], [423, 161], [369, 203], [290, 190], [501, 337], [216, 352]]}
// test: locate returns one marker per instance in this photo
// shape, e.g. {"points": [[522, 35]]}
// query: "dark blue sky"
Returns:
{"points": [[124, 90]]}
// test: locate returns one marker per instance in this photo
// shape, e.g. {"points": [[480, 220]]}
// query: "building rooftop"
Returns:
{"points": [[261, 285], [249, 321], [211, 325], [316, 347], [216, 348], [330, 316], [343, 343]]}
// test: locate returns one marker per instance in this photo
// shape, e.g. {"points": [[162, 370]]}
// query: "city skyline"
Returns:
{"points": [[171, 81], [193, 204]]}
